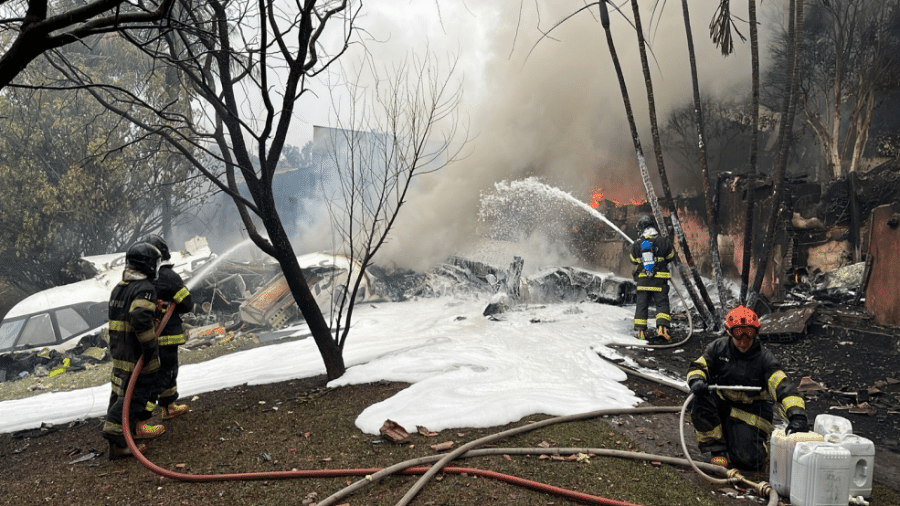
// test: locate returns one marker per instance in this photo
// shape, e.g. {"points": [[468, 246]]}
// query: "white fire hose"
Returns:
{"points": [[762, 488]]}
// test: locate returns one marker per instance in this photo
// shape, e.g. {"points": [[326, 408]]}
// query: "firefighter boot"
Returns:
{"points": [[172, 411], [719, 459], [642, 335], [147, 431], [664, 333], [119, 452]]}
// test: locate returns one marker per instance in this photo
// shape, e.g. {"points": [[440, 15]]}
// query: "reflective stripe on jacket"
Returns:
{"points": [[170, 289], [723, 364], [132, 331]]}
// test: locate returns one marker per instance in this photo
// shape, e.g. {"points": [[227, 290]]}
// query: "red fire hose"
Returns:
{"points": [[329, 473], [333, 473]]}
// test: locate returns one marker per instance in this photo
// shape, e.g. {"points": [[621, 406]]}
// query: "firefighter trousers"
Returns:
{"points": [[166, 389], [740, 430], [659, 298], [140, 401]]}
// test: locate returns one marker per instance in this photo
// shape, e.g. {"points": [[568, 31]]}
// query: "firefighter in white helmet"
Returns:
{"points": [[651, 254]]}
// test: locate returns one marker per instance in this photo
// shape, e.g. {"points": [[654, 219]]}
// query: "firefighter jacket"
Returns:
{"points": [[132, 329], [170, 289], [723, 364], [663, 253]]}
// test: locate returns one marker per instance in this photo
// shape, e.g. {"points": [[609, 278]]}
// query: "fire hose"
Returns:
{"points": [[372, 475], [733, 476]]}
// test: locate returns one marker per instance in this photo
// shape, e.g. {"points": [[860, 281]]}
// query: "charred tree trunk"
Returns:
{"points": [[712, 222], [854, 214], [707, 311], [754, 149], [283, 252], [787, 119]]}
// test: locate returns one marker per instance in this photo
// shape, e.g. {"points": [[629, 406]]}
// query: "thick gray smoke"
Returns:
{"points": [[548, 107]]}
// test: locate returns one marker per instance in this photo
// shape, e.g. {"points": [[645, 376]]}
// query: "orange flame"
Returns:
{"points": [[597, 197]]}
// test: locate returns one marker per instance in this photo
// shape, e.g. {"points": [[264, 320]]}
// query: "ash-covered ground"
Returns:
{"points": [[848, 371]]}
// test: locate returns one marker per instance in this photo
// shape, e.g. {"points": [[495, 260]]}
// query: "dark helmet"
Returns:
{"points": [[144, 258], [159, 243], [645, 222]]}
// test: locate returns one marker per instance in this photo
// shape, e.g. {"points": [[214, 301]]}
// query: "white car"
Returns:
{"points": [[59, 317]]}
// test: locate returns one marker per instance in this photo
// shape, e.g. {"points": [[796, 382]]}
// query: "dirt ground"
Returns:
{"points": [[301, 424], [855, 375]]}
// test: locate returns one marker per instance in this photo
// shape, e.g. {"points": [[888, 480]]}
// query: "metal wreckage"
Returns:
{"points": [[63, 329], [835, 272]]}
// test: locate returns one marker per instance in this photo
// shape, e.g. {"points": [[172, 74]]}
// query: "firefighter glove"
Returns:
{"points": [[797, 423], [699, 387]]}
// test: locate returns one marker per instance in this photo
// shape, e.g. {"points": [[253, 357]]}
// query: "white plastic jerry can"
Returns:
{"points": [[862, 464], [781, 455], [820, 475], [832, 424]]}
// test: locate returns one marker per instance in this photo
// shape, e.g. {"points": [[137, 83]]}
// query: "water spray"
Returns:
{"points": [[208, 267], [533, 185]]}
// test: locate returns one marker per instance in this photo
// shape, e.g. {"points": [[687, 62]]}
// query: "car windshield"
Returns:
{"points": [[9, 331]]}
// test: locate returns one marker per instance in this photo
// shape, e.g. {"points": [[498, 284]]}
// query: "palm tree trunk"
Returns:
{"points": [[796, 33], [712, 222], [754, 148], [707, 311]]}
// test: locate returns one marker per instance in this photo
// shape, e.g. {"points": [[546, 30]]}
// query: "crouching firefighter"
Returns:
{"points": [[735, 425], [172, 297], [132, 335], [651, 253]]}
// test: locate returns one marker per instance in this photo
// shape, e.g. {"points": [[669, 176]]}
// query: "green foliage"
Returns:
{"points": [[76, 179]]}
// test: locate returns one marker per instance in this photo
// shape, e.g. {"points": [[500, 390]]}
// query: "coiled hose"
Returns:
{"points": [[733, 476], [372, 475]]}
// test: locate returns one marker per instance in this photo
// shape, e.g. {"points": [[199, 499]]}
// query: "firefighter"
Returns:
{"points": [[132, 335], [735, 425], [651, 254], [170, 290]]}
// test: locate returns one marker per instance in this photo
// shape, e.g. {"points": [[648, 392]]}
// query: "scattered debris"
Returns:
{"points": [[425, 432], [446, 445], [92, 454], [785, 326], [394, 432], [808, 385]]}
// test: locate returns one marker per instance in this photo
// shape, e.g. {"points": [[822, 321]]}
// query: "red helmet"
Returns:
{"points": [[741, 316]]}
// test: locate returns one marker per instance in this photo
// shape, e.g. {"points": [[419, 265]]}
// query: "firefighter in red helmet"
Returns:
{"points": [[735, 425]]}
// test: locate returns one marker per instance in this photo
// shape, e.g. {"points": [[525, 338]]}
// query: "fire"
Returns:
{"points": [[597, 197]]}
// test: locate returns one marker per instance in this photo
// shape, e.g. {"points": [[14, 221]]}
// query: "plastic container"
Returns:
{"points": [[862, 464], [832, 424], [820, 475], [781, 455]]}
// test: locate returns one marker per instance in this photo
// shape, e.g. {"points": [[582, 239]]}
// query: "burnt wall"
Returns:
{"points": [[882, 296]]}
